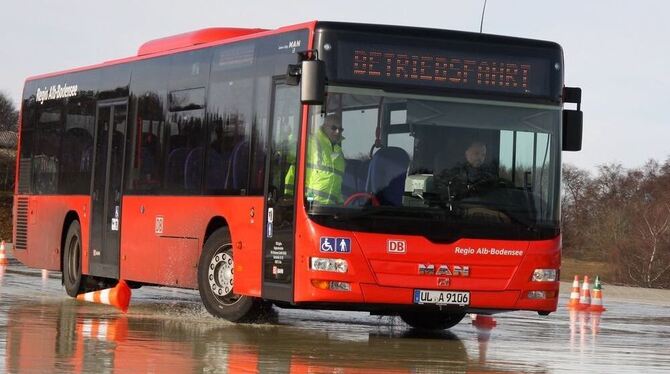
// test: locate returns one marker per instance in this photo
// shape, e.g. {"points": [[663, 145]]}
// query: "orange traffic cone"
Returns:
{"points": [[585, 296], [597, 301], [3, 255], [118, 296], [574, 294]]}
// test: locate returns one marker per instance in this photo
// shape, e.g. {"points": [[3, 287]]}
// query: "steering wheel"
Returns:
{"points": [[364, 196]]}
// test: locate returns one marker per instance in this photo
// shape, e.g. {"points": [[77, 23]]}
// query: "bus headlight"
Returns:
{"points": [[336, 265], [544, 275]]}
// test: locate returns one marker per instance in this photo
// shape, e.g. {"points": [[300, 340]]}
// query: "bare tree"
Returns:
{"points": [[9, 116], [620, 217]]}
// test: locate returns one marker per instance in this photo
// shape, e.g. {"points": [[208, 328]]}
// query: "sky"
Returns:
{"points": [[618, 52]]}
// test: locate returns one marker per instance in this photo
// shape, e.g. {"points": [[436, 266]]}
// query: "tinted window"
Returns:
{"points": [[77, 145], [231, 110], [273, 55], [239, 106], [185, 152], [146, 166], [259, 134], [168, 141], [144, 170], [57, 134], [46, 147]]}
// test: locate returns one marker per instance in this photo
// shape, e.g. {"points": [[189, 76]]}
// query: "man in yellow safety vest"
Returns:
{"points": [[325, 164]]}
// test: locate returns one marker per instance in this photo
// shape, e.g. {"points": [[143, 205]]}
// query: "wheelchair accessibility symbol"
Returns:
{"points": [[333, 244]]}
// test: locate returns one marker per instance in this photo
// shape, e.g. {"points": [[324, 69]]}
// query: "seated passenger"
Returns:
{"points": [[472, 176]]}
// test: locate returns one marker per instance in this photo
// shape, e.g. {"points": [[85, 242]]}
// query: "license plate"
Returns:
{"points": [[441, 297]]}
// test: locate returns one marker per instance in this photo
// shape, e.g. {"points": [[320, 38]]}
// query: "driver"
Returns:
{"points": [[472, 176]]}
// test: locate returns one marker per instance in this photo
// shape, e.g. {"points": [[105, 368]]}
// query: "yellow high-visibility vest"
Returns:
{"points": [[324, 172]]}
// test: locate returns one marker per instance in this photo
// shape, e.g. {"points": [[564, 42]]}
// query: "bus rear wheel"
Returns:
{"points": [[73, 280], [432, 320], [216, 280]]}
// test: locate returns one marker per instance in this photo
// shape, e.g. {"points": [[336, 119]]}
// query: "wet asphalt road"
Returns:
{"points": [[167, 330]]}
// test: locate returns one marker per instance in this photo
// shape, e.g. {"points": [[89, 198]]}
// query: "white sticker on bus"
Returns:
{"points": [[485, 251], [396, 246], [56, 92]]}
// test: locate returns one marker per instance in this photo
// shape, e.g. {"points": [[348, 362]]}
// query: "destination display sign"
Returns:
{"points": [[443, 68]]}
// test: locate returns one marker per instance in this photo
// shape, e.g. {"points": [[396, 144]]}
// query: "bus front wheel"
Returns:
{"points": [[432, 320], [73, 280], [216, 280]]}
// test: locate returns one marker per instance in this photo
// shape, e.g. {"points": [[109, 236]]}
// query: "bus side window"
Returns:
{"points": [[146, 157], [46, 160], [231, 115], [77, 145]]}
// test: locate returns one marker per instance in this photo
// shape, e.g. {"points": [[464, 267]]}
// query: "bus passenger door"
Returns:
{"points": [[278, 233], [110, 139]]}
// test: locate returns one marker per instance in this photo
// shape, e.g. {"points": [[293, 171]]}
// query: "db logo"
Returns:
{"points": [[396, 246]]}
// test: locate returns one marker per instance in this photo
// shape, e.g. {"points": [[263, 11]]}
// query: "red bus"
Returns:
{"points": [[189, 166]]}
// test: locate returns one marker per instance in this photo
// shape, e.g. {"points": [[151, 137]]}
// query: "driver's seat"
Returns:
{"points": [[386, 175]]}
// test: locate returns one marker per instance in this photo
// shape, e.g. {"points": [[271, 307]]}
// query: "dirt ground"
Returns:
{"points": [[572, 266]]}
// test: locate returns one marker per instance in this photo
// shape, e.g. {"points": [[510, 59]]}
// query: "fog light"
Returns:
{"points": [[537, 295], [336, 265], [544, 275], [331, 285]]}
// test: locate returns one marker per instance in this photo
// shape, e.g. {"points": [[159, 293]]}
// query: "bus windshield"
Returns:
{"points": [[444, 168]]}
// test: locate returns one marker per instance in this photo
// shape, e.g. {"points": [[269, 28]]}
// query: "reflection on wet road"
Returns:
{"points": [[167, 330]]}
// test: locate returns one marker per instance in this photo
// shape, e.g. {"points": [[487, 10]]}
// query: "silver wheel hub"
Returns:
{"points": [[220, 274]]}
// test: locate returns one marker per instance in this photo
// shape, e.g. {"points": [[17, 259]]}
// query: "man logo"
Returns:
{"points": [[456, 270], [443, 282], [396, 246]]}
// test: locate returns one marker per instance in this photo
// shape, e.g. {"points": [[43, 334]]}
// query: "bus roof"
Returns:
{"points": [[189, 39], [215, 36], [184, 42]]}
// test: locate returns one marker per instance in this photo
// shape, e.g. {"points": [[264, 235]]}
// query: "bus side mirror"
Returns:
{"points": [[310, 73], [313, 82], [572, 120], [572, 130]]}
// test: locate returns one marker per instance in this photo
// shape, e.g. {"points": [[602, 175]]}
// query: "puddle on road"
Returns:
{"points": [[167, 330]]}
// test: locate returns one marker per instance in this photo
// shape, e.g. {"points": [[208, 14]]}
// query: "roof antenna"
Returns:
{"points": [[481, 24]]}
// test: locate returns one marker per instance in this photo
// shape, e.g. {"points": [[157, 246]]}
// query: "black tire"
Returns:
{"points": [[432, 320], [215, 282], [72, 277]]}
